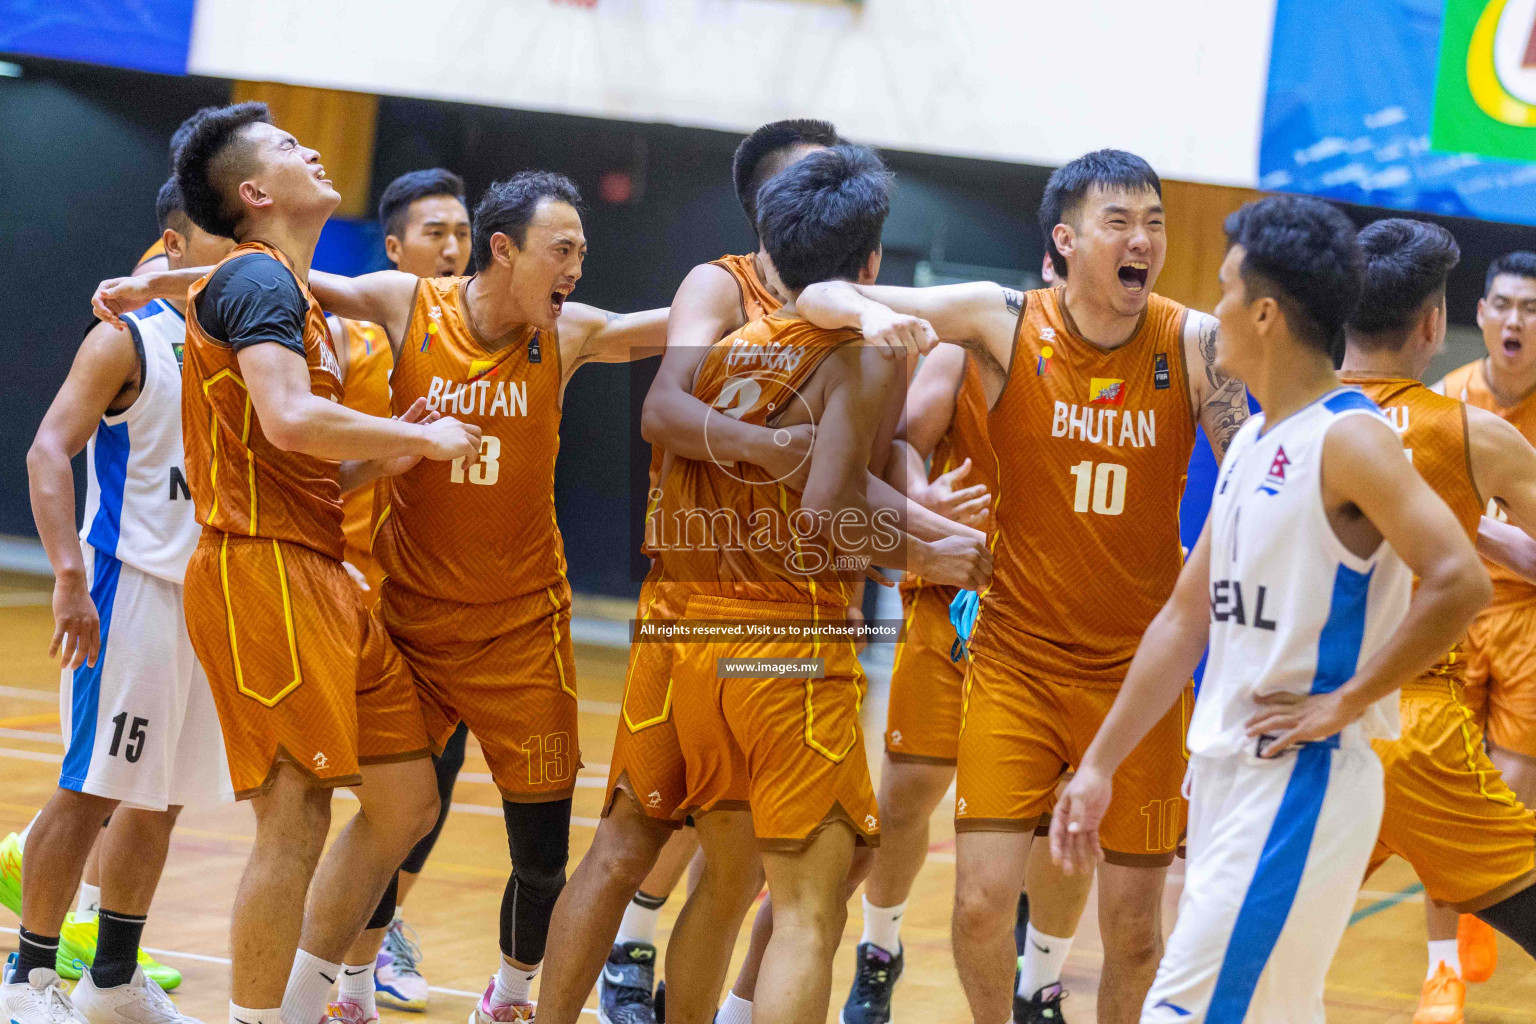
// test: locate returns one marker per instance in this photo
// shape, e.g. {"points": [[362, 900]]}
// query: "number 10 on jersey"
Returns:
{"points": [[1104, 484], [486, 470]]}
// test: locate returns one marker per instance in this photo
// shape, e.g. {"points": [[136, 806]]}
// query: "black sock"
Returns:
{"points": [[649, 902], [35, 951], [1515, 917], [117, 948]]}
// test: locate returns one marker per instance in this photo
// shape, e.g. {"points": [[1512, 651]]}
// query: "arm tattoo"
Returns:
{"points": [[1014, 300], [1226, 406]]}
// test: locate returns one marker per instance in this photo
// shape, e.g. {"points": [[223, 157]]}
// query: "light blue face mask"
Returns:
{"points": [[962, 615]]}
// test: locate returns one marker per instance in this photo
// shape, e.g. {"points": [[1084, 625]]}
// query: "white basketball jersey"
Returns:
{"points": [[1292, 610], [137, 506]]}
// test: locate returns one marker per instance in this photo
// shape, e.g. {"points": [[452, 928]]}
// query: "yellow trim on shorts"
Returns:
{"points": [[1470, 749], [229, 617], [554, 628], [666, 704]]}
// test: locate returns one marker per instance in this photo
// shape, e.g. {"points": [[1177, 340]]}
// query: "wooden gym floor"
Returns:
{"points": [[1375, 978]]}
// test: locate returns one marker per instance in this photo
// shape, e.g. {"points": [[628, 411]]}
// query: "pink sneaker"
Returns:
{"points": [[499, 1013], [345, 1012]]}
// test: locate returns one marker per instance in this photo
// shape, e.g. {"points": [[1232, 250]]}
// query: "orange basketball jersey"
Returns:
{"points": [[756, 301], [724, 529], [242, 483], [1434, 432], [1469, 384], [1095, 449], [486, 533], [366, 389]]}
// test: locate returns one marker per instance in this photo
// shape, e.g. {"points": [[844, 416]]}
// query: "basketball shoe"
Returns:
{"points": [[397, 982], [1044, 1007], [10, 873], [141, 1001], [346, 1012], [1477, 946], [869, 1001], [492, 1013], [624, 990], [39, 999], [1442, 998]]}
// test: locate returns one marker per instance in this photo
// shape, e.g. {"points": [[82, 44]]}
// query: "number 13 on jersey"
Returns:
{"points": [[486, 470], [1101, 488]]}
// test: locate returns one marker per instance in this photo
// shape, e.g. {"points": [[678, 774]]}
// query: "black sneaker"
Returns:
{"points": [[624, 990], [869, 1001], [1044, 1007]]}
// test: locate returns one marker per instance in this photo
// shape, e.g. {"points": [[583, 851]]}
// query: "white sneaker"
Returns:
{"points": [[40, 999], [141, 1001]]}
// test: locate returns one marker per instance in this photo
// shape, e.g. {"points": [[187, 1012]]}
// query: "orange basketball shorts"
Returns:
{"points": [[922, 722], [1448, 812], [647, 760], [299, 671], [799, 740], [1501, 675], [504, 669], [1020, 734]]}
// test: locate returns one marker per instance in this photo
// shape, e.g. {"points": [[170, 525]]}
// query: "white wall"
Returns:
{"points": [[1179, 81]]}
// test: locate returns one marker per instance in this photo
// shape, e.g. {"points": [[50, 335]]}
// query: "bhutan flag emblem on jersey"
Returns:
{"points": [[483, 369], [1106, 391]]}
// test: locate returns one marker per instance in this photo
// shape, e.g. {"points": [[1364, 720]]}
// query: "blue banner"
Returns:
{"points": [[1351, 106], [146, 35]]}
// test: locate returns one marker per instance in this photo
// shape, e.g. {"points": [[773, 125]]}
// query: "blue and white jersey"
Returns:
{"points": [[1292, 610], [137, 506]]}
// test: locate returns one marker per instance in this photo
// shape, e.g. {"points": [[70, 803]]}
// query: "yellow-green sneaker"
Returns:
{"points": [[10, 873], [77, 951]]}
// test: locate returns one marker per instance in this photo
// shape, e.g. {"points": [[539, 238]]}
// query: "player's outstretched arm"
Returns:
{"points": [[295, 419], [980, 315], [592, 335], [1363, 468], [705, 309], [106, 362], [1220, 402], [1165, 660], [384, 297], [118, 295], [1509, 546]]}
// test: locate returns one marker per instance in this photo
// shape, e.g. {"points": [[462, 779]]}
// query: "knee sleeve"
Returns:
{"points": [[1515, 917], [384, 913], [447, 766], [538, 836]]}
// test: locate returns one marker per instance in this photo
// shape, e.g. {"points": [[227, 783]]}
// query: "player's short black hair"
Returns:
{"points": [[508, 207], [1405, 263], [211, 162], [170, 211], [1070, 184], [1301, 252], [398, 196], [1519, 263], [821, 218], [747, 166], [183, 132]]}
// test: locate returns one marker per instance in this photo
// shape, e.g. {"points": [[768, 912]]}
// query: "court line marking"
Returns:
{"points": [[33, 736], [205, 958], [1387, 902], [29, 693]]}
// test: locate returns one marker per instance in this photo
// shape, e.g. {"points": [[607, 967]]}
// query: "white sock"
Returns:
{"points": [[882, 925], [639, 924], [735, 1011], [1044, 956], [244, 1015], [513, 985], [309, 988], [356, 986], [1443, 951], [89, 902]]}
